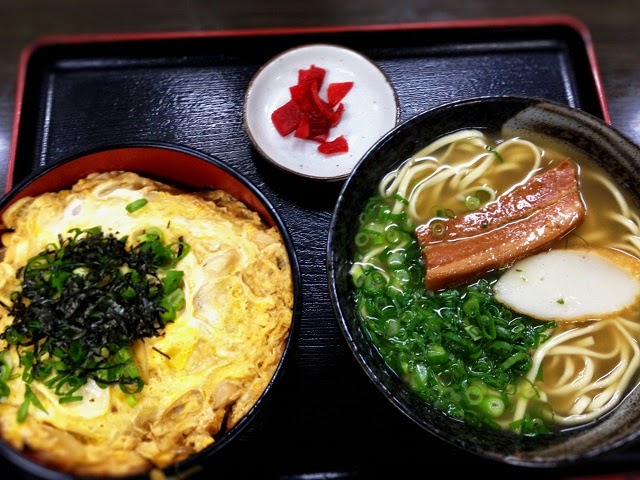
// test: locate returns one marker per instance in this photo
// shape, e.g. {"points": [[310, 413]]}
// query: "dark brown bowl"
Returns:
{"points": [[192, 170], [619, 155]]}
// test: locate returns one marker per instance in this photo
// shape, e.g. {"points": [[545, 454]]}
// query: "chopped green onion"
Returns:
{"points": [[396, 259], [487, 326], [529, 426], [393, 326], [136, 205], [471, 307], [362, 239], [29, 398], [437, 229], [473, 331], [169, 313], [435, 354], [151, 234], [70, 399], [419, 376], [401, 199], [176, 298], [527, 390], [5, 368], [513, 359], [393, 235], [172, 281], [495, 152], [357, 275], [374, 282], [492, 406], [472, 203], [474, 394], [135, 387]]}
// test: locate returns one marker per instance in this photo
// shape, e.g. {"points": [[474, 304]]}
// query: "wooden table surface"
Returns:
{"points": [[613, 26]]}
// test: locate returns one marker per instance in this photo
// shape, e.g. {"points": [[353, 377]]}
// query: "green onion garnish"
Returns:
{"points": [[83, 304], [472, 203], [495, 152], [136, 205]]}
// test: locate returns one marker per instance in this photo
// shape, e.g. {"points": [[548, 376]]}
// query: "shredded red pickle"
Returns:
{"points": [[310, 117]]}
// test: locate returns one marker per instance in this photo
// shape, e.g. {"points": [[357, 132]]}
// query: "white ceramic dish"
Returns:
{"points": [[370, 109]]}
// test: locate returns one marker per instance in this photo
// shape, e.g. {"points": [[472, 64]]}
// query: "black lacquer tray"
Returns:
{"points": [[325, 420]]}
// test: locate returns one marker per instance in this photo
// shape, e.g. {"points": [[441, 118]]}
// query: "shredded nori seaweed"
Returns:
{"points": [[83, 304]]}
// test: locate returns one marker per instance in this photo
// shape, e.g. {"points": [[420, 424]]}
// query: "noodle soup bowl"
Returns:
{"points": [[533, 136]]}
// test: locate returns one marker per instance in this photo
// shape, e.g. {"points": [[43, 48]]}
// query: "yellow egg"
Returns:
{"points": [[209, 366]]}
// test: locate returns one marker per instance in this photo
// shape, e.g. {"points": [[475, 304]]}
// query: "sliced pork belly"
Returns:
{"points": [[522, 222]]}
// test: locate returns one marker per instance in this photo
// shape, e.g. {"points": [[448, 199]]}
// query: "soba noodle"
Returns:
{"points": [[587, 366]]}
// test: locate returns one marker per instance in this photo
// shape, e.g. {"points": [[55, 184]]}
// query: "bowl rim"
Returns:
{"points": [[31, 466]]}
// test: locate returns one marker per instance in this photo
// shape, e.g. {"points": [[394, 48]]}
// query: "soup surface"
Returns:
{"points": [[454, 282], [181, 346]]}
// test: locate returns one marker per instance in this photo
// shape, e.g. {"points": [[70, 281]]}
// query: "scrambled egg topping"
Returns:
{"points": [[212, 363]]}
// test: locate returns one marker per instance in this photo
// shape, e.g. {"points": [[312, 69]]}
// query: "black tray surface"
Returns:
{"points": [[325, 419]]}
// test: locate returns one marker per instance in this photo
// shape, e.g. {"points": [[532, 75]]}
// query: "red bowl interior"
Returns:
{"points": [[175, 165]]}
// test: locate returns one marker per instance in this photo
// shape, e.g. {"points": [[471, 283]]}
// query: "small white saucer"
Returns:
{"points": [[371, 109]]}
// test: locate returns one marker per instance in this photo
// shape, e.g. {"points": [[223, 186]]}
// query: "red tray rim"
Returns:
{"points": [[527, 21]]}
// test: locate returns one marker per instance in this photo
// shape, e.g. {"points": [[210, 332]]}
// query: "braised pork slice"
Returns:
{"points": [[519, 223]]}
